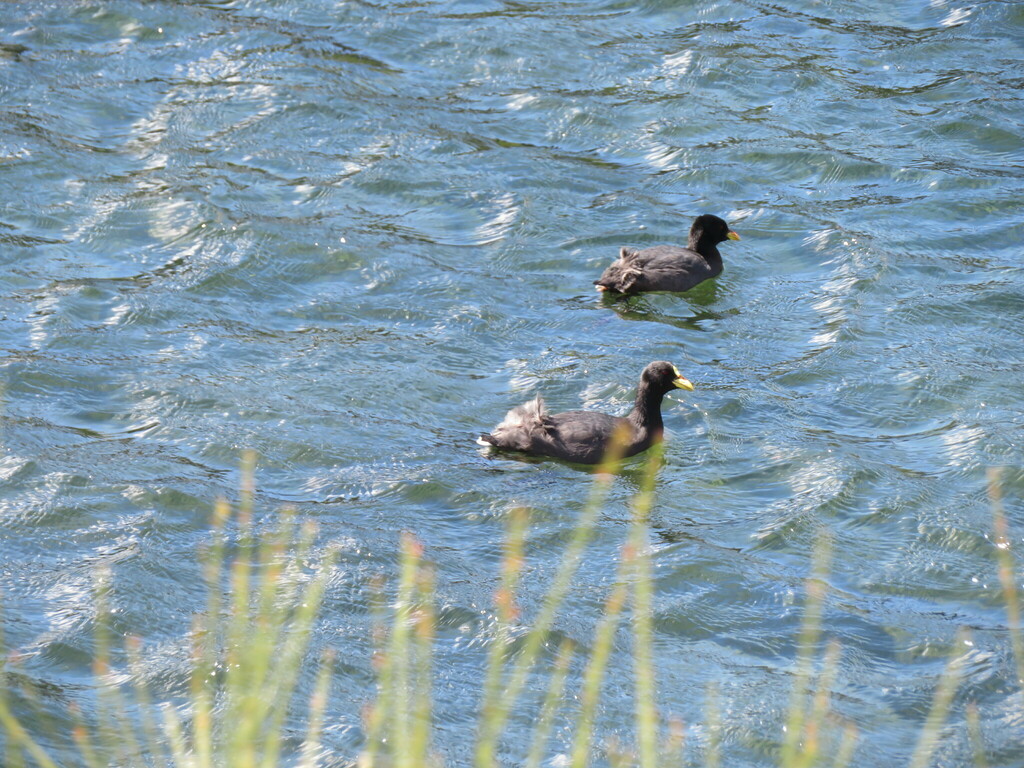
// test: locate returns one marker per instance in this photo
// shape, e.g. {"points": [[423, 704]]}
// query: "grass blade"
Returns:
{"points": [[424, 622], [820, 705], [18, 738], [604, 639], [944, 693], [495, 713], [288, 656], [974, 730], [846, 746], [552, 701], [675, 743], [399, 652], [714, 722], [810, 632], [643, 634], [1007, 570], [511, 568], [377, 712], [80, 735], [144, 701], [317, 705]]}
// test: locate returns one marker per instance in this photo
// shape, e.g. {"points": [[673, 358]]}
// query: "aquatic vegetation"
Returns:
{"points": [[250, 646]]}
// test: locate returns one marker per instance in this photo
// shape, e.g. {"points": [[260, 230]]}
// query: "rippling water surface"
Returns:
{"points": [[351, 235]]}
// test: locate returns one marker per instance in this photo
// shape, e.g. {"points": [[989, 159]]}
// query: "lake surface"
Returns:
{"points": [[351, 235]]}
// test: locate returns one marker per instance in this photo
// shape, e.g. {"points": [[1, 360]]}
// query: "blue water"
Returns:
{"points": [[350, 236]]}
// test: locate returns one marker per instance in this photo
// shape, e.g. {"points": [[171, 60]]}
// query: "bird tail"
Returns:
{"points": [[621, 274]]}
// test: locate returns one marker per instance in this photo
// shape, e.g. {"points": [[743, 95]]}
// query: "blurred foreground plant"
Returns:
{"points": [[246, 658], [249, 647]]}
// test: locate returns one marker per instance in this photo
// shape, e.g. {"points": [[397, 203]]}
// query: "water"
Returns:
{"points": [[350, 236]]}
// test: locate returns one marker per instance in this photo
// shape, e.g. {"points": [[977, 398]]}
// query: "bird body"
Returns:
{"points": [[586, 436], [670, 267]]}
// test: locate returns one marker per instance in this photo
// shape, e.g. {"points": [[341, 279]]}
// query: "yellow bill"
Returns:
{"points": [[680, 382], [732, 235]]}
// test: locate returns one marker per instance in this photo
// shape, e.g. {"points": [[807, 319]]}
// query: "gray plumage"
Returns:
{"points": [[670, 267], [585, 436]]}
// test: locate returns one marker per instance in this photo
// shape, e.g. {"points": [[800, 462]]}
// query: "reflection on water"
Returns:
{"points": [[352, 236]]}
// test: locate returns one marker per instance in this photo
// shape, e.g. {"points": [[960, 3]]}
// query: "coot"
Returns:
{"points": [[584, 436], [669, 267]]}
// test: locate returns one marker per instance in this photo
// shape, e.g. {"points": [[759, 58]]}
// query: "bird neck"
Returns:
{"points": [[646, 413], [705, 248]]}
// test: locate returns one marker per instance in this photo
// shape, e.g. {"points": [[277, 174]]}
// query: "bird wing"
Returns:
{"points": [[581, 436], [670, 268]]}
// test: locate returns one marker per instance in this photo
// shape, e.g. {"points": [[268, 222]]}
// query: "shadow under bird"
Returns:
{"points": [[669, 267], [584, 437]]}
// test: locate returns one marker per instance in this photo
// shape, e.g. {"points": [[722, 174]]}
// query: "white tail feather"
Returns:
{"points": [[525, 416]]}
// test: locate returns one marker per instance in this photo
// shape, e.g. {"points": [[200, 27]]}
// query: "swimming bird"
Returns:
{"points": [[669, 267], [584, 436]]}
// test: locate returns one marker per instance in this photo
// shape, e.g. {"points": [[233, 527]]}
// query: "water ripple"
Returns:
{"points": [[351, 236]]}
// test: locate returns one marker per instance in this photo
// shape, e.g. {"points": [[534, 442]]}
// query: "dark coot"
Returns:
{"points": [[669, 267], [584, 436]]}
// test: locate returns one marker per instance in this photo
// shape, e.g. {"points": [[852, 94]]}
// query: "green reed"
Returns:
{"points": [[247, 653], [249, 646]]}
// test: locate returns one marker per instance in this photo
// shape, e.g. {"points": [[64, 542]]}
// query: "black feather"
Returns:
{"points": [[585, 436], [669, 267]]}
